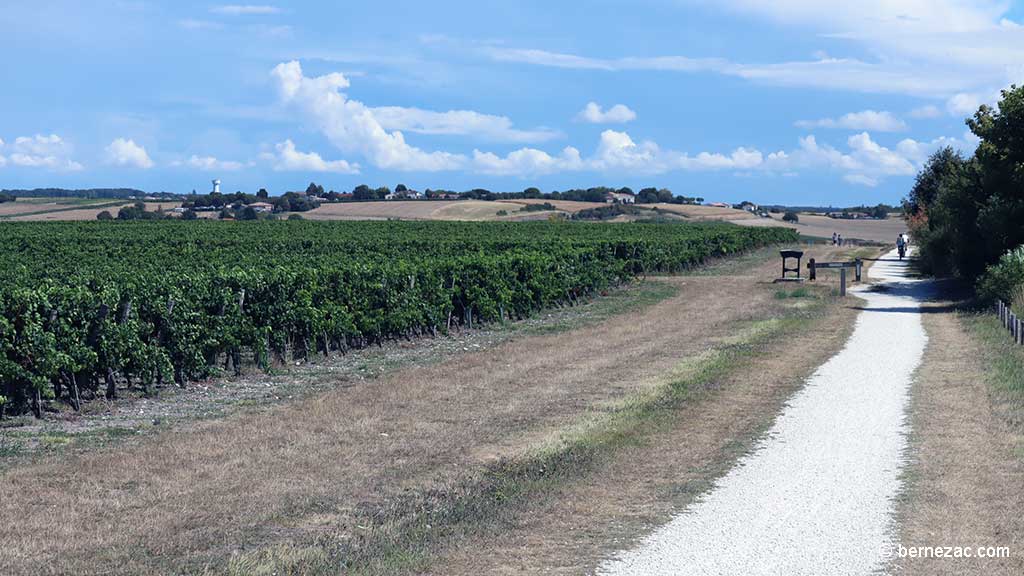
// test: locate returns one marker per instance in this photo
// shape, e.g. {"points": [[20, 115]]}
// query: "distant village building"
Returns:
{"points": [[262, 206], [620, 198], [405, 195], [719, 205]]}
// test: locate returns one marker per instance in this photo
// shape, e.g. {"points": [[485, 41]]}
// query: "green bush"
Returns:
{"points": [[1005, 279], [790, 216]]}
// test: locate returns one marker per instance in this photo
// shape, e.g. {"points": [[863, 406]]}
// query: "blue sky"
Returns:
{"points": [[791, 101]]}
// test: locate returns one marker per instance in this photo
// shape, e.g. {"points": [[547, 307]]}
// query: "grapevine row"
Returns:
{"points": [[88, 307]]}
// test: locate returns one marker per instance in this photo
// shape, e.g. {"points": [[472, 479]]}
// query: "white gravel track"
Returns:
{"points": [[817, 494]]}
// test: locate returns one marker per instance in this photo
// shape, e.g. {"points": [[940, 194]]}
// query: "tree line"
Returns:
{"points": [[966, 213]]}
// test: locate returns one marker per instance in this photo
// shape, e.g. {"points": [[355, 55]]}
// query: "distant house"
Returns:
{"points": [[620, 198], [262, 207], [405, 195], [748, 206], [719, 205]]}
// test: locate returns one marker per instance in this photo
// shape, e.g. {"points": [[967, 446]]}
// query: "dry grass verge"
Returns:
{"points": [[966, 478]]}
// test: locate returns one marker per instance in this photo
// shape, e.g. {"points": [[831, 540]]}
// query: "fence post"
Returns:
{"points": [[842, 281], [858, 262]]}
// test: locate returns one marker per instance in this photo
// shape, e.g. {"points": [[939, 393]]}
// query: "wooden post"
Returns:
{"points": [[812, 274], [859, 263], [842, 281]]}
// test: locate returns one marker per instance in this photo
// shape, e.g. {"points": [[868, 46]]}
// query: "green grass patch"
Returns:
{"points": [[801, 292], [1004, 358]]}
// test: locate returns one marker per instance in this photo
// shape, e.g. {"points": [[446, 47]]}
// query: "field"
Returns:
{"points": [[91, 306], [470, 210], [822, 227], [51, 209], [477, 210]]}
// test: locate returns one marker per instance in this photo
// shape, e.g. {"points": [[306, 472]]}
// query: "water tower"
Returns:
{"points": [[216, 186]]}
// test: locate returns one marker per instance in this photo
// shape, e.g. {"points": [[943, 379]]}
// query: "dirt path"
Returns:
{"points": [[816, 496], [966, 482], [322, 469]]}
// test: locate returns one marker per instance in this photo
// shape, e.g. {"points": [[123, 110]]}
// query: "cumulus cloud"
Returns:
{"points": [[288, 158], [458, 123], [963, 104], [210, 164], [865, 120], [527, 162], [617, 114], [125, 152], [351, 125], [245, 9], [40, 151]]}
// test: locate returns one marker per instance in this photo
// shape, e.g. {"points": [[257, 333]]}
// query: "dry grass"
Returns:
{"points": [[702, 212], [822, 226], [321, 469], [574, 526], [86, 213], [562, 205], [966, 482]]}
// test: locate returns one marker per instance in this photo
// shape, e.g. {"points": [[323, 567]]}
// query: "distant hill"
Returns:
{"points": [[118, 193]]}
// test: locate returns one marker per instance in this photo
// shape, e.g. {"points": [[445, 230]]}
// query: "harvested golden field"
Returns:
{"points": [[695, 212], [563, 205], [83, 213], [823, 227]]}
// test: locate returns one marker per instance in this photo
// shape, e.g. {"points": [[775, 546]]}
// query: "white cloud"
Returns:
{"points": [[210, 164], [288, 158], [527, 162], [192, 24], [351, 126], [244, 9], [122, 152], [618, 114], [927, 111], [861, 179], [963, 104], [460, 123], [924, 48], [866, 120], [40, 151]]}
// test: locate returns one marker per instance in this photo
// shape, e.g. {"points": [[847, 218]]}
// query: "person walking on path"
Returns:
{"points": [[833, 238]]}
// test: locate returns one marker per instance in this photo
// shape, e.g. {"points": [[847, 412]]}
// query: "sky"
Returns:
{"points": [[799, 102]]}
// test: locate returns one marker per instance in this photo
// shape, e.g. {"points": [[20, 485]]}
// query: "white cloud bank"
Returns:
{"points": [[870, 120], [351, 125], [51, 152], [245, 9], [458, 123], [209, 164], [928, 48], [354, 127], [617, 114], [288, 158], [125, 152]]}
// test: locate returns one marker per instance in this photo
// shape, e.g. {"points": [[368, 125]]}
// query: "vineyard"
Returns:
{"points": [[90, 307]]}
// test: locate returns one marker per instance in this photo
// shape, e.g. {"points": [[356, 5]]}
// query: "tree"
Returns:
{"points": [[105, 215], [314, 189], [532, 192], [362, 192], [262, 194], [401, 188], [189, 215], [790, 216], [295, 217]]}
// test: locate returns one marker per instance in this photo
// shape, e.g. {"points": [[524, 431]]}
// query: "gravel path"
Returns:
{"points": [[817, 495]]}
